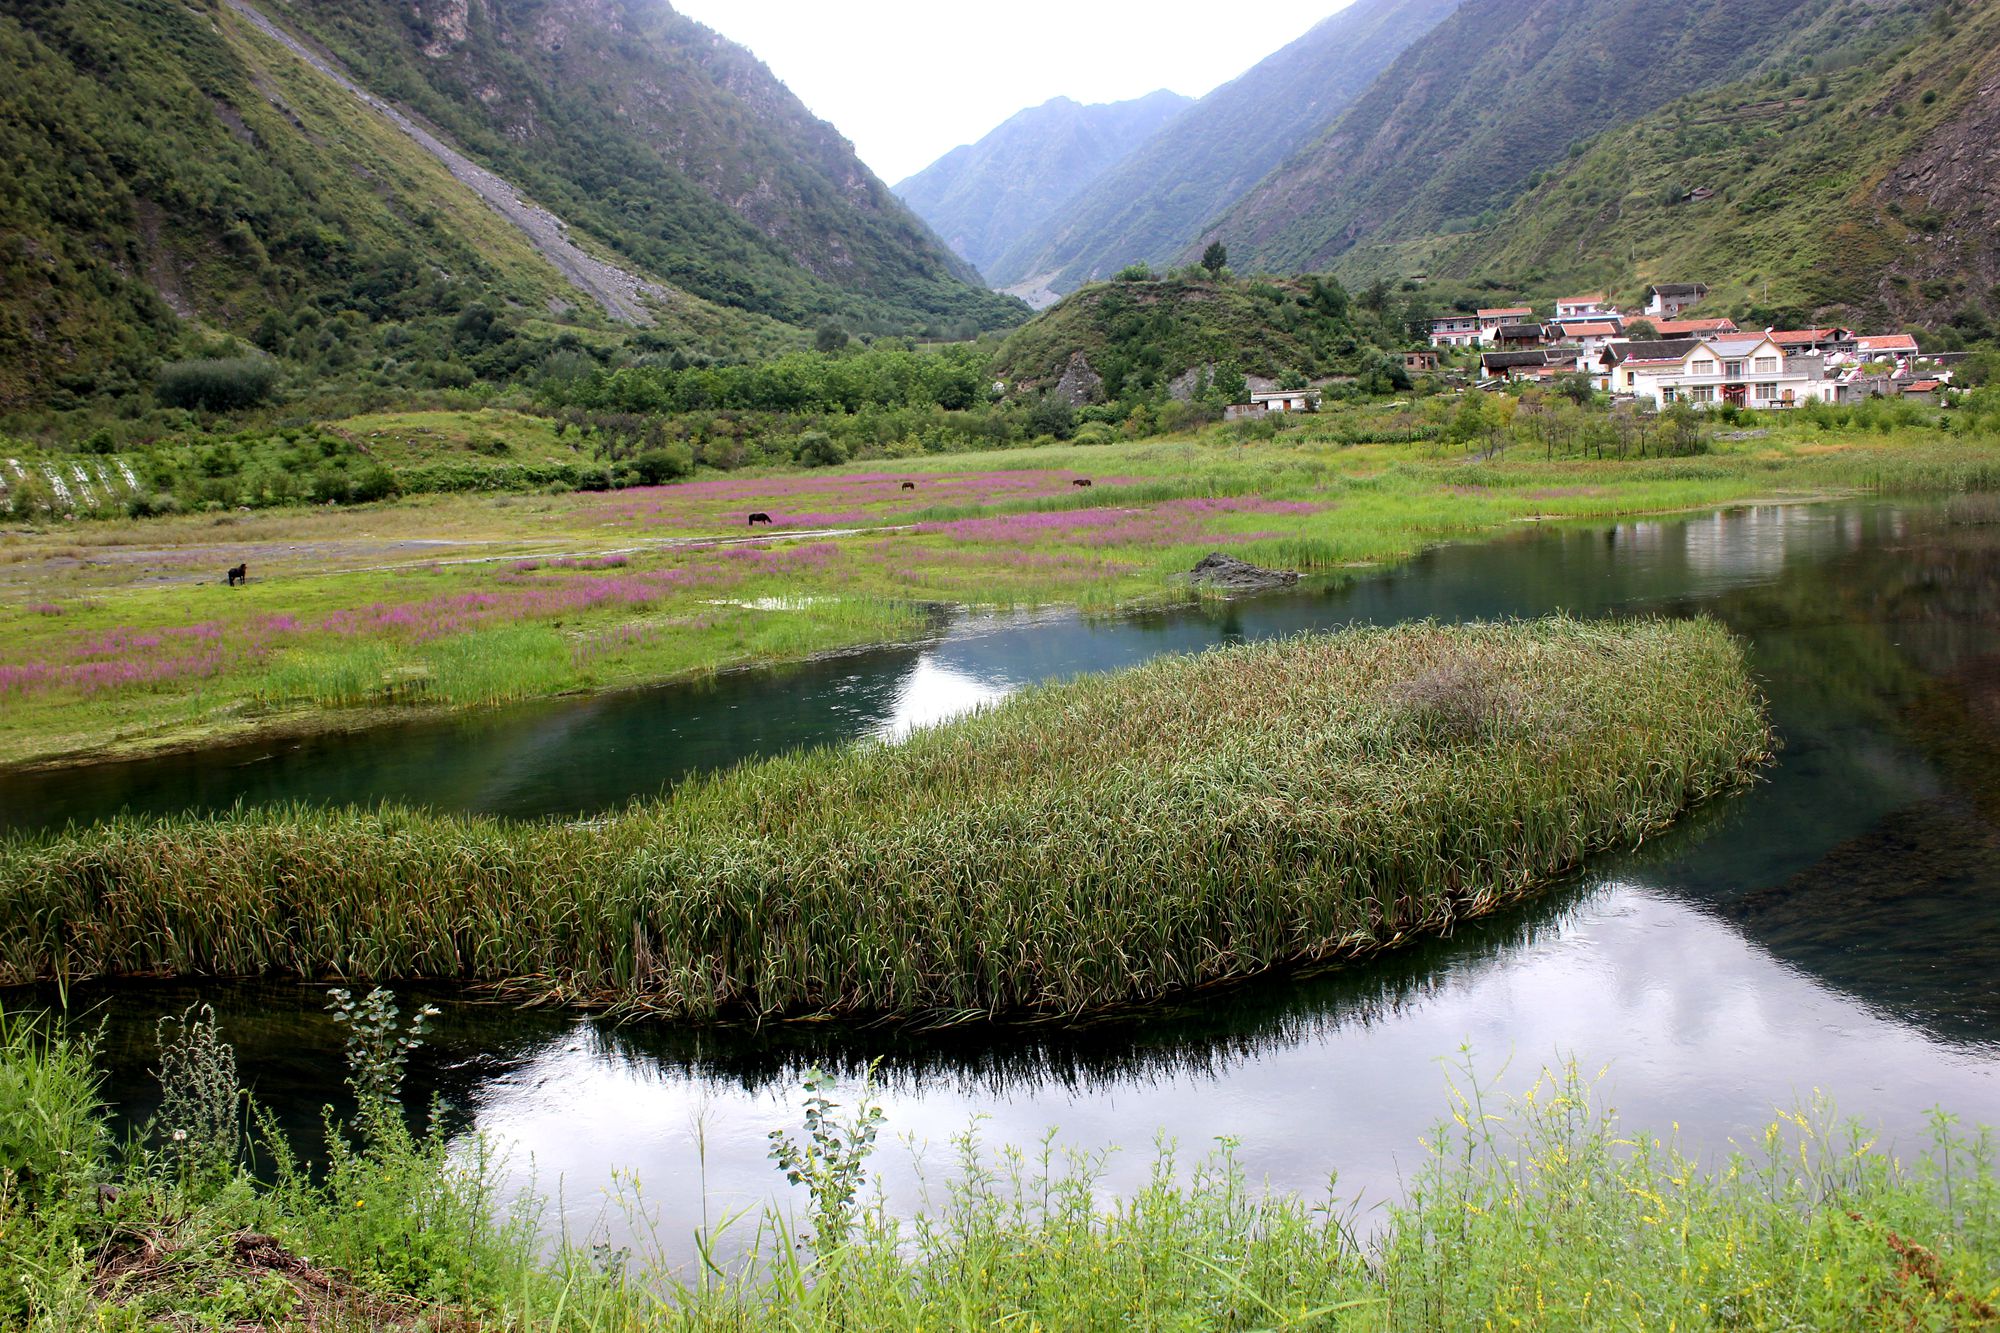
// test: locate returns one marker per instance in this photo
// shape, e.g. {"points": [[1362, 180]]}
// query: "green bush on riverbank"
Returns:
{"points": [[1541, 1212], [1099, 842]]}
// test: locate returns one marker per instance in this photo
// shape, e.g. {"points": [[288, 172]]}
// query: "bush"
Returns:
{"points": [[217, 385], [818, 449], [667, 463]]}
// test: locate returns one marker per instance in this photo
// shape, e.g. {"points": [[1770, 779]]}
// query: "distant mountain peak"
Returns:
{"points": [[982, 196]]}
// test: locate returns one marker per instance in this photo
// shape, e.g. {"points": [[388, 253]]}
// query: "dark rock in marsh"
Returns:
{"points": [[1228, 574]]}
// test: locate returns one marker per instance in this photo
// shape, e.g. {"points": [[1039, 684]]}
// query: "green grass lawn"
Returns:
{"points": [[116, 636]]}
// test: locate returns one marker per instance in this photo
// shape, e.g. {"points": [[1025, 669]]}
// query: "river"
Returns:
{"points": [[1835, 930]]}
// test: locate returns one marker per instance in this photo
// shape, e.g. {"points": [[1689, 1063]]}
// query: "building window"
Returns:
{"points": [[1767, 365], [1702, 368], [1732, 370], [1701, 393], [1767, 393]]}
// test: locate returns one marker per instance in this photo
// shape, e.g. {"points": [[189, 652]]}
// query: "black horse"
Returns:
{"points": [[909, 485], [755, 519], [240, 574], [1081, 481]]}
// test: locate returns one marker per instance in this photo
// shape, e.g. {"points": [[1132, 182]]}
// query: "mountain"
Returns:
{"points": [[423, 193], [1501, 90], [983, 197], [1154, 202], [1851, 182]]}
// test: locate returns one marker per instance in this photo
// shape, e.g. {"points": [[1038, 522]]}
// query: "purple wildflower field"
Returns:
{"points": [[847, 500], [124, 657]]}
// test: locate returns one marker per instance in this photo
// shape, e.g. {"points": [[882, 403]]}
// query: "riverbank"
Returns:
{"points": [[1100, 842], [119, 639], [1533, 1212]]}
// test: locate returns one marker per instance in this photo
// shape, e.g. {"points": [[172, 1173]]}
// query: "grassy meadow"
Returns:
{"points": [[1095, 843], [1536, 1211], [118, 637]]}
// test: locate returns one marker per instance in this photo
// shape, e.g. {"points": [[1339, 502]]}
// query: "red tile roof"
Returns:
{"points": [[1922, 386], [1506, 310], [1670, 328], [1887, 342], [1599, 329]]}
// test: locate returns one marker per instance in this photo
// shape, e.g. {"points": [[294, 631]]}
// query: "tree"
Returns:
{"points": [[1215, 258], [830, 338], [1642, 331]]}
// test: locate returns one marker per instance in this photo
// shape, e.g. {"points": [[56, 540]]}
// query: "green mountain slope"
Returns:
{"points": [[983, 197], [170, 171], [1178, 334], [678, 148], [1854, 182], [1152, 204], [1495, 93]]}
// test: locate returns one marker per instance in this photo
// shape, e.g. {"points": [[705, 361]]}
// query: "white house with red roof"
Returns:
{"points": [[1585, 306], [1455, 330]]}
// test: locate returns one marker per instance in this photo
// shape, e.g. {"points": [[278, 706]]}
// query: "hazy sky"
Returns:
{"points": [[909, 80]]}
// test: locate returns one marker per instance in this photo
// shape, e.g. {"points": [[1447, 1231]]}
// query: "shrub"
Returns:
{"points": [[223, 385]]}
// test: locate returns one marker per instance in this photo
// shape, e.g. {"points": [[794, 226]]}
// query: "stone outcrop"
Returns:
{"points": [[1226, 573], [1080, 385]]}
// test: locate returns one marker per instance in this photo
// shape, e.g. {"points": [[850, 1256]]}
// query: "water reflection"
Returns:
{"points": [[1835, 928]]}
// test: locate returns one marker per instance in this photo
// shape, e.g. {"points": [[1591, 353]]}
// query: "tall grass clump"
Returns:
{"points": [[1099, 842]]}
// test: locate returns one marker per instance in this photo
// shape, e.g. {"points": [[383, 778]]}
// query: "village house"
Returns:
{"points": [[1514, 337], [1621, 364], [1886, 346], [1813, 340], [1264, 401], [1457, 330], [1417, 363], [1583, 307], [1492, 317], [1747, 371], [1592, 336], [1923, 391], [1529, 364], [1693, 328], [1667, 300]]}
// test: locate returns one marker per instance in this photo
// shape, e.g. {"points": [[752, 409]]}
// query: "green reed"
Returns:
{"points": [[1102, 841]]}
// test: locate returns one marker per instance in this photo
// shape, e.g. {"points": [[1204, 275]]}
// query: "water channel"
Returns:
{"points": [[1835, 930]]}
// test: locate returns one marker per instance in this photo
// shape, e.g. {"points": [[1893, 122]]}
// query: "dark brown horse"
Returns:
{"points": [[1081, 481], [240, 574], [909, 485], [755, 519]]}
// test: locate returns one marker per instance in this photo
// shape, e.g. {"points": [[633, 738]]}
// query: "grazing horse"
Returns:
{"points": [[909, 485], [755, 519], [240, 574], [1081, 481]]}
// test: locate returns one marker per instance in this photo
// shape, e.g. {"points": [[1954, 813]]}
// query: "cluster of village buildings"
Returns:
{"points": [[1698, 361]]}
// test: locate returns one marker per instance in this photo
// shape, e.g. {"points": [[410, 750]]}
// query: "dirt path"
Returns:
{"points": [[620, 292]]}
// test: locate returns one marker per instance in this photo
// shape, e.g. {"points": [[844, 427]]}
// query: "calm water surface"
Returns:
{"points": [[1837, 929]]}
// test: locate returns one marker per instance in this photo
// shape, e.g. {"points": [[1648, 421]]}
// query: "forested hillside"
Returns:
{"points": [[1456, 129], [170, 173], [1853, 181], [1151, 205], [983, 197]]}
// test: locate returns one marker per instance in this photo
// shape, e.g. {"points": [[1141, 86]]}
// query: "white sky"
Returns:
{"points": [[909, 80]]}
